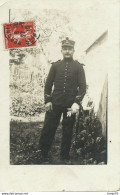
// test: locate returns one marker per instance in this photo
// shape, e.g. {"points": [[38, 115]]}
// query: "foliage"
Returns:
{"points": [[89, 146], [26, 105]]}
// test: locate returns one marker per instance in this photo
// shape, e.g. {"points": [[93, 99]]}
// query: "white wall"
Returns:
{"points": [[102, 111], [96, 68]]}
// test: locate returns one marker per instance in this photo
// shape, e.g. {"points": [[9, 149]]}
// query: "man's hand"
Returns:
{"points": [[73, 110], [48, 106]]}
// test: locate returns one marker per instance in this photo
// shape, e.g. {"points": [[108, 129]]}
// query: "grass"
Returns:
{"points": [[24, 146], [24, 139]]}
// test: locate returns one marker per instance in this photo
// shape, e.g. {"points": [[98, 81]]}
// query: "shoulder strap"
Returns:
{"points": [[79, 63], [56, 62]]}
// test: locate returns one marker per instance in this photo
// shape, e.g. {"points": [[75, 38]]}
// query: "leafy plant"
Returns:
{"points": [[89, 145]]}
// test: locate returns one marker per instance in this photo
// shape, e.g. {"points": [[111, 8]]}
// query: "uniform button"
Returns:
{"points": [[64, 83], [66, 62], [64, 87]]}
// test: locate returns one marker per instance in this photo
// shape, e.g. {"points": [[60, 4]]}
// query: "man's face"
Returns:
{"points": [[67, 51]]}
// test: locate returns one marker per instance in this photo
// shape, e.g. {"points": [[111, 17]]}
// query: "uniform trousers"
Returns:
{"points": [[51, 122]]}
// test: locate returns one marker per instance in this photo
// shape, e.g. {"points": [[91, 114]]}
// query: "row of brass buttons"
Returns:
{"points": [[65, 76]]}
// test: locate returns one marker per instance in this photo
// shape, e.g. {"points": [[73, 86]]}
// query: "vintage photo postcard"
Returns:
{"points": [[59, 95]]}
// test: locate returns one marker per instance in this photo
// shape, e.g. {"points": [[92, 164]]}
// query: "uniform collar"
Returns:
{"points": [[67, 60]]}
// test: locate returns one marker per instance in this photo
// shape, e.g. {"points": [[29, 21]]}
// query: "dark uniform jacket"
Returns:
{"points": [[68, 79]]}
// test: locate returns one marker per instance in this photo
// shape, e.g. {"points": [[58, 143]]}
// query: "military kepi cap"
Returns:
{"points": [[68, 42]]}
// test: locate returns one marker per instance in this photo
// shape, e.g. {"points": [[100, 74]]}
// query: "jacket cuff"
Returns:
{"points": [[48, 98], [78, 100]]}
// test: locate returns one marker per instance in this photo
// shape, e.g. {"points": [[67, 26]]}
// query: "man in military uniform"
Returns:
{"points": [[68, 78]]}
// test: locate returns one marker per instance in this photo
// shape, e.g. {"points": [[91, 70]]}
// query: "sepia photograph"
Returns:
{"points": [[58, 86]]}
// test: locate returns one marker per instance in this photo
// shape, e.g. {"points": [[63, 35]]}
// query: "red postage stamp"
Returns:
{"points": [[19, 34]]}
